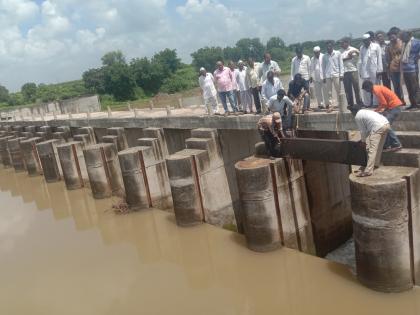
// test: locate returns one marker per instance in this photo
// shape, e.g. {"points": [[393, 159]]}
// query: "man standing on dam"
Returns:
{"points": [[374, 128]]}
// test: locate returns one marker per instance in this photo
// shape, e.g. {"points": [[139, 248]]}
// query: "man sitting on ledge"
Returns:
{"points": [[389, 106], [270, 128], [373, 128]]}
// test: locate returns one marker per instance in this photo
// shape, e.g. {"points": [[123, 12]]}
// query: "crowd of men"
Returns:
{"points": [[248, 87], [382, 67]]}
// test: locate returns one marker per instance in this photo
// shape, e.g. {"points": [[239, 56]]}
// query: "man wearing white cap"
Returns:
{"points": [[317, 78], [244, 87], [370, 66], [208, 91]]}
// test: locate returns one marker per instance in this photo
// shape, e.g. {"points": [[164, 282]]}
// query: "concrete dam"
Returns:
{"points": [[210, 171]]}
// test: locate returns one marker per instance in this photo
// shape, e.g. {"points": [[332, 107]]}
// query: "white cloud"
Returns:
{"points": [[59, 39]]}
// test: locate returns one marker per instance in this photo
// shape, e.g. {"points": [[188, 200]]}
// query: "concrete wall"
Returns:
{"points": [[74, 105], [81, 104]]}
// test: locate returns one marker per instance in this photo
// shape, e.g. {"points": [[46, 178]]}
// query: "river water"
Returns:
{"points": [[62, 252]]}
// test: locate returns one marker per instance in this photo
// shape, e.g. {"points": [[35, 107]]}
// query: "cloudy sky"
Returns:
{"points": [[48, 41]]}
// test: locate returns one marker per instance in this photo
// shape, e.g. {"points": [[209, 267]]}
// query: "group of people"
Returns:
{"points": [[252, 84], [379, 65]]}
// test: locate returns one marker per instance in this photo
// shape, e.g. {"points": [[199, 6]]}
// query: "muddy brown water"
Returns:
{"points": [[61, 252]]}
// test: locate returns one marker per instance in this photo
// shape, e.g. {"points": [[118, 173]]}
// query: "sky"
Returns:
{"points": [[50, 41]]}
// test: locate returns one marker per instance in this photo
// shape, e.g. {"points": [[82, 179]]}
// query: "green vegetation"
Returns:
{"points": [[31, 93], [118, 81]]}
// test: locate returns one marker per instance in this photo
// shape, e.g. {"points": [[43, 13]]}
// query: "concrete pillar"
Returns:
{"points": [[103, 170], [277, 191], [31, 129], [121, 137], [88, 131], [154, 143], [26, 134], [41, 134], [73, 164], [382, 228], [59, 136], [47, 130], [260, 220], [16, 156], [111, 139], [183, 178], [217, 199], [30, 156], [85, 139], [156, 172], [48, 157], [66, 131], [4, 151], [18, 129], [159, 134], [136, 183]]}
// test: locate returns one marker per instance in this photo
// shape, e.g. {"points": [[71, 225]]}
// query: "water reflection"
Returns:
{"points": [[78, 257]]}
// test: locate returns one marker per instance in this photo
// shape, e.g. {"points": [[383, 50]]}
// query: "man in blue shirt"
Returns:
{"points": [[299, 93], [409, 65]]}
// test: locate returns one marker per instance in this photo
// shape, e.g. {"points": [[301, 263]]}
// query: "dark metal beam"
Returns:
{"points": [[324, 150]]}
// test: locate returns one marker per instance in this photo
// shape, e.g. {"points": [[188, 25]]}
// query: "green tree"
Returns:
{"points": [[16, 99], [4, 94], [119, 81], [207, 57], [29, 92], [231, 54], [94, 80], [148, 76], [183, 79], [168, 59], [113, 57], [275, 42], [46, 93], [251, 47]]}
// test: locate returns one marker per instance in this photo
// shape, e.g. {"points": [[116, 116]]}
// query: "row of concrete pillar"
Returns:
{"points": [[110, 168], [276, 206]]}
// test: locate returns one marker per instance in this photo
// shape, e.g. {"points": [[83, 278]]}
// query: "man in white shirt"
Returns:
{"points": [[268, 65], [351, 74], [254, 82], [370, 66], [208, 91], [301, 64], [374, 128], [280, 103], [270, 88], [317, 77], [333, 72], [243, 86]]}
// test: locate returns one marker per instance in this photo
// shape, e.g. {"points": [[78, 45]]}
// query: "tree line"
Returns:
{"points": [[122, 80]]}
